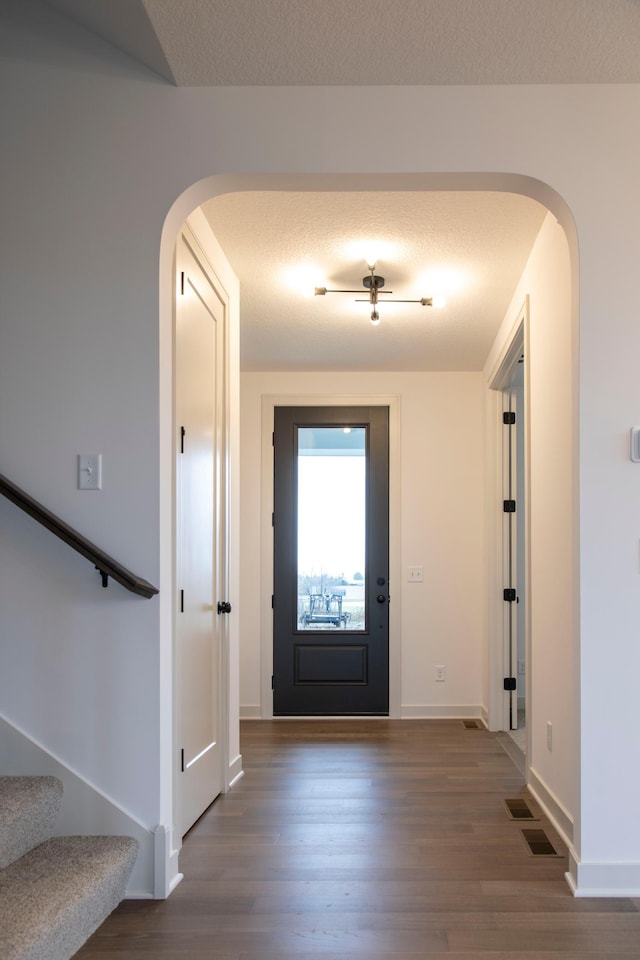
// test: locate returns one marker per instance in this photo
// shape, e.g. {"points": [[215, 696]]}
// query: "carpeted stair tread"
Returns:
{"points": [[58, 894], [28, 809]]}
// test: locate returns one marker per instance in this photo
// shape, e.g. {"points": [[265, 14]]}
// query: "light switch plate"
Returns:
{"points": [[415, 574], [89, 471]]}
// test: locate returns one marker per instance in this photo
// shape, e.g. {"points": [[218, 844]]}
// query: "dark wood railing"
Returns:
{"points": [[106, 565]]}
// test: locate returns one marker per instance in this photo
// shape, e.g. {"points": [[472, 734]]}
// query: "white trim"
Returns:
{"points": [[511, 350], [603, 879], [235, 771], [166, 876], [12, 762], [321, 718], [555, 811], [513, 751], [269, 402], [251, 712], [494, 692], [436, 711]]}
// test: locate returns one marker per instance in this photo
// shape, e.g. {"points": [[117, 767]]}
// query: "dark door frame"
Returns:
{"points": [[269, 402]]}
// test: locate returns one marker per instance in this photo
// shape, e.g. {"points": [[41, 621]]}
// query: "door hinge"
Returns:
{"points": [[273, 519], [273, 601], [182, 760], [182, 436], [273, 439], [509, 506], [509, 417], [509, 594], [182, 601], [182, 283], [273, 682], [510, 683]]}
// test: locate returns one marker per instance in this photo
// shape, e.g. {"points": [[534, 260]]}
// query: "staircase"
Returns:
{"points": [[54, 891]]}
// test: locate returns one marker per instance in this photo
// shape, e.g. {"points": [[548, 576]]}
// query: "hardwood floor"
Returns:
{"points": [[380, 839]]}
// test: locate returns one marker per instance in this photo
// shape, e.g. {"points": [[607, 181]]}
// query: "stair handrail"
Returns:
{"points": [[106, 565]]}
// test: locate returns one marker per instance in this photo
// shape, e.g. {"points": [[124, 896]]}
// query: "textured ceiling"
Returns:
{"points": [[307, 42], [469, 247]]}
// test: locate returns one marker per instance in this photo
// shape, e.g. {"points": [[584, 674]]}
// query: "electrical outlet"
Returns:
{"points": [[441, 674], [415, 574], [549, 735]]}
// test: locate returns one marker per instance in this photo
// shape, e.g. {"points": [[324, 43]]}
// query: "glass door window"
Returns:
{"points": [[331, 522]]}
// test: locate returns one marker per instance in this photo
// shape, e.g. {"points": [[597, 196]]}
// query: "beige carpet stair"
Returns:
{"points": [[54, 892], [28, 810]]}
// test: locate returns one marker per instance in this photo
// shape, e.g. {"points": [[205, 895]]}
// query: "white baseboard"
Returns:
{"points": [[431, 711], [603, 879], [85, 809], [513, 751], [420, 711], [555, 811], [251, 711], [235, 771], [166, 875]]}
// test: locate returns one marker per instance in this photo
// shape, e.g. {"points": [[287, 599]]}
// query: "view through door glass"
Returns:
{"points": [[331, 561], [331, 518]]}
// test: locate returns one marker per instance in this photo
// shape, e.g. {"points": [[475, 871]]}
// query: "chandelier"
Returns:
{"points": [[374, 283]]}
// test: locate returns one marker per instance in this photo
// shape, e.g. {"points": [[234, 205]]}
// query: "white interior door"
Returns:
{"points": [[510, 555], [519, 642], [514, 549], [199, 535]]}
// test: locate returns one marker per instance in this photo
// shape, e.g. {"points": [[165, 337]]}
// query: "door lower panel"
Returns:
{"points": [[328, 663]]}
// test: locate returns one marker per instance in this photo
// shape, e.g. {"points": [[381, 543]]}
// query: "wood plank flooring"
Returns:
{"points": [[380, 839]]}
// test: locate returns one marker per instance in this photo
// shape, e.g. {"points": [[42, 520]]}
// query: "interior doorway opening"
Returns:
{"points": [[259, 655]]}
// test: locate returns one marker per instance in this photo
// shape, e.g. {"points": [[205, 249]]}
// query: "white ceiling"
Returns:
{"points": [[468, 247], [482, 239], [309, 42]]}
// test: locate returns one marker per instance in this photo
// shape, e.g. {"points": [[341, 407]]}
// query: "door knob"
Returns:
{"points": [[224, 606]]}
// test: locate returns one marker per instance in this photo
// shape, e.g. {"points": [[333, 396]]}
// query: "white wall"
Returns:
{"points": [[441, 528], [95, 152], [550, 348]]}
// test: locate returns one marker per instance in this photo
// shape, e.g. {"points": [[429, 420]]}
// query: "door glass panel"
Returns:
{"points": [[331, 520]]}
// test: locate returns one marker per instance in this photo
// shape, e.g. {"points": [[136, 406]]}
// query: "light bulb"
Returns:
{"points": [[375, 318], [439, 302]]}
